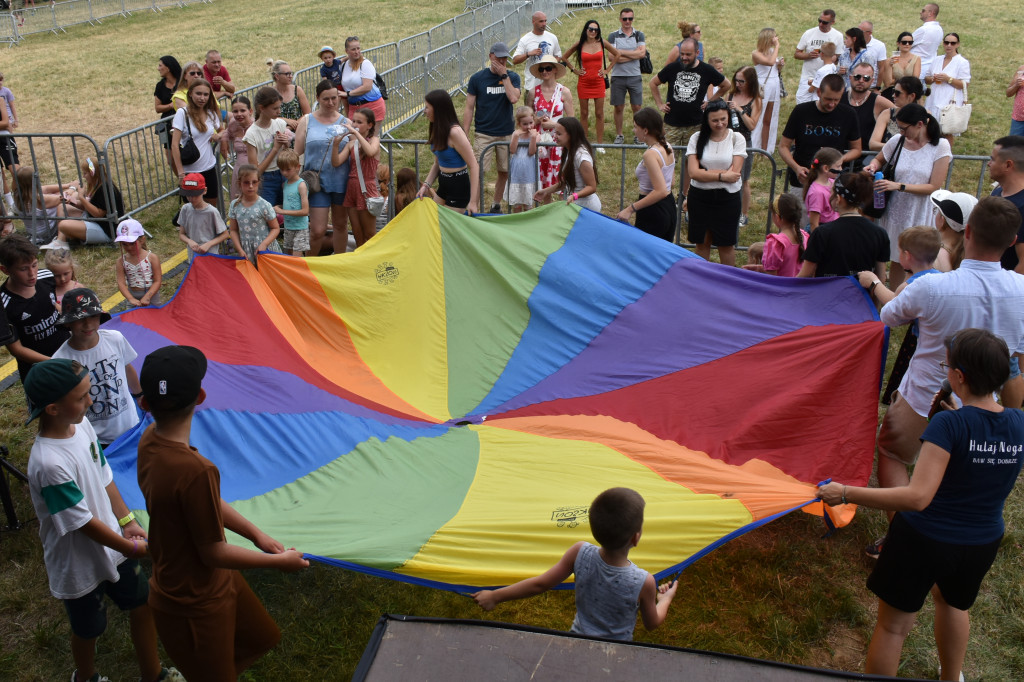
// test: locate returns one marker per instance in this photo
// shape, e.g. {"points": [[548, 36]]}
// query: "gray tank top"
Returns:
{"points": [[607, 597]]}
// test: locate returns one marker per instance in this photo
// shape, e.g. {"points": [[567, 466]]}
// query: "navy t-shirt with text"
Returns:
{"points": [[985, 454]]}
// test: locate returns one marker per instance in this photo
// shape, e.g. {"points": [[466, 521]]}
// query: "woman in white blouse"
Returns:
{"points": [[948, 79], [714, 159]]}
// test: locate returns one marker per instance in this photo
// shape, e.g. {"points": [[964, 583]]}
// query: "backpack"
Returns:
{"points": [[379, 82]]}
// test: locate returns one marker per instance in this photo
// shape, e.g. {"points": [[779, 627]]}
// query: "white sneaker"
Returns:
{"points": [[55, 244], [619, 139], [599, 150], [961, 674]]}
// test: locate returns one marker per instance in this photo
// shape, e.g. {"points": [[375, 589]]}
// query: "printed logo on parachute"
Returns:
{"points": [[386, 273], [571, 516]]}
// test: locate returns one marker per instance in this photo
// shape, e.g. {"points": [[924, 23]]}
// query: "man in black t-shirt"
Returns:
{"points": [[688, 80], [813, 125], [29, 303], [1006, 166]]}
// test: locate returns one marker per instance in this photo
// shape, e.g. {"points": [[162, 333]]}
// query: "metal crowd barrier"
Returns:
{"points": [[57, 157], [54, 17]]}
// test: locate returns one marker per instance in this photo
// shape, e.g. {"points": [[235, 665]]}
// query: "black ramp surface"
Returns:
{"points": [[423, 649]]}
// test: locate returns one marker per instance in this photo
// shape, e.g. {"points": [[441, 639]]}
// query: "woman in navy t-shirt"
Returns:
{"points": [[949, 521]]}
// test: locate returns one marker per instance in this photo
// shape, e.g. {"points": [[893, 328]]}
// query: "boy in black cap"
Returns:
{"points": [[91, 541], [106, 354], [210, 622]]}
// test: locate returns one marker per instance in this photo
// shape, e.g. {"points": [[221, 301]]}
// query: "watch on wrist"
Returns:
{"points": [[903, 188], [502, 77]]}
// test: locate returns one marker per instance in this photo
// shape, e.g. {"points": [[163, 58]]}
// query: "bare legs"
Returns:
{"points": [[364, 226], [952, 627]]}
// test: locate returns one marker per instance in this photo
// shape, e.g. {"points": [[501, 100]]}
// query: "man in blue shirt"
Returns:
{"points": [[492, 92]]}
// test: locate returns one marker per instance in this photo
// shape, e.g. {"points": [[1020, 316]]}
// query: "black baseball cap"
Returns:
{"points": [[172, 376]]}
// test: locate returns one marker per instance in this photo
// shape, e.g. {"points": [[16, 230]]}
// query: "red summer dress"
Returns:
{"points": [[591, 85]]}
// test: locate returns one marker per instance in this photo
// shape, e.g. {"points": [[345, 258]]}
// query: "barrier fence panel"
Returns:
{"points": [[383, 57], [73, 13], [41, 20], [413, 46], [139, 167], [443, 33], [444, 66], [138, 6], [56, 159], [407, 85], [474, 51], [465, 24]]}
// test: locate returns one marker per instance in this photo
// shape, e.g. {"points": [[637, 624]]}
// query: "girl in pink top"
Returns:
{"points": [[824, 170], [784, 252]]}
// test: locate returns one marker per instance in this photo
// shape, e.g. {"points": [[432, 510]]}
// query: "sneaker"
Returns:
{"points": [[170, 675], [55, 244], [599, 150], [95, 678], [875, 548], [495, 208], [636, 140], [619, 139], [743, 221], [961, 674]]}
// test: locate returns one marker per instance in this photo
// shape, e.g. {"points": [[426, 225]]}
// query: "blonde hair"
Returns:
{"points": [[764, 40], [57, 257], [287, 158], [522, 112], [274, 65], [383, 179], [716, 60], [828, 49]]}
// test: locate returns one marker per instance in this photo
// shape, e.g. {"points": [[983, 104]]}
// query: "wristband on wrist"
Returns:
{"points": [[575, 196], [135, 547], [127, 519], [844, 496], [871, 289], [719, 176]]}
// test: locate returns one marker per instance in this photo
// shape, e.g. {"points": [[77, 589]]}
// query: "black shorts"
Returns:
{"points": [[8, 151], [911, 563], [716, 211], [454, 188], [88, 613]]}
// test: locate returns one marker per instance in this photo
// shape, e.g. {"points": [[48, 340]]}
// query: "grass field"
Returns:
{"points": [[780, 592]]}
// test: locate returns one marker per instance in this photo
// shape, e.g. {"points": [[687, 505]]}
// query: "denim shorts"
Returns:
{"points": [[88, 613], [272, 187], [325, 199]]}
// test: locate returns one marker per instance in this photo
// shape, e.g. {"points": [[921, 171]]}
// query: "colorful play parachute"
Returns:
{"points": [[442, 405]]}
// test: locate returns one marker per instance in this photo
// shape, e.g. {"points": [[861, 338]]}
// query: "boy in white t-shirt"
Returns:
{"points": [[828, 55], [106, 354], [91, 541]]}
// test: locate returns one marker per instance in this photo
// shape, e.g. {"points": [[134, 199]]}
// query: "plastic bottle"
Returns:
{"points": [[879, 194]]}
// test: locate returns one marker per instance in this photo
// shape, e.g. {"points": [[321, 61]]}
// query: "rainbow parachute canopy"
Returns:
{"points": [[442, 405]]}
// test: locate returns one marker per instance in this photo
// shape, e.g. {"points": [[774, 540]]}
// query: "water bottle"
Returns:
{"points": [[879, 194], [734, 120]]}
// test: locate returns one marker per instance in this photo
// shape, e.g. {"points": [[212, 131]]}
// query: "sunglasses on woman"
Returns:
{"points": [[545, 69], [906, 42]]}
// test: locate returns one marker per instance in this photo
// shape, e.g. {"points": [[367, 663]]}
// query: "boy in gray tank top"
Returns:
{"points": [[609, 587]]}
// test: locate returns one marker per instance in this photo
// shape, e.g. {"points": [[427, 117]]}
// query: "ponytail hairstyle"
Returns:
{"points": [[649, 118], [854, 189], [911, 85], [265, 97], [914, 114], [823, 160], [764, 41], [577, 139], [788, 208]]}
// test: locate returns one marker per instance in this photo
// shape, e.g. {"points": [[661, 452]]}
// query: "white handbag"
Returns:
{"points": [[953, 118], [375, 205]]}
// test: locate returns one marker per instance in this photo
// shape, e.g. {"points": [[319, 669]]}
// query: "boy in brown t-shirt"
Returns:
{"points": [[211, 624]]}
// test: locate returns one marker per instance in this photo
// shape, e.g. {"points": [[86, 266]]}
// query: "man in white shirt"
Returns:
{"points": [[979, 294], [808, 50], [928, 38], [531, 48], [877, 54]]}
